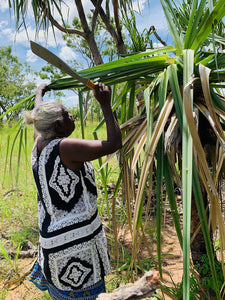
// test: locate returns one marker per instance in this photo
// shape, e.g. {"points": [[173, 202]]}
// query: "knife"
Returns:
{"points": [[59, 63]]}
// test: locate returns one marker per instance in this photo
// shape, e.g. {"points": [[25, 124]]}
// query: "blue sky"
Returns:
{"points": [[151, 14]]}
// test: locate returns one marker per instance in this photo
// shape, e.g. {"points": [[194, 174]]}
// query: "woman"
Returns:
{"points": [[72, 257]]}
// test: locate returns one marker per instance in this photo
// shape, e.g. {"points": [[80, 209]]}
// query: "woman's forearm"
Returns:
{"points": [[38, 98], [112, 127], [41, 90]]}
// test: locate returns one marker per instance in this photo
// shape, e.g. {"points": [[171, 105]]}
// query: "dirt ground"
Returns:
{"points": [[172, 266], [172, 260]]}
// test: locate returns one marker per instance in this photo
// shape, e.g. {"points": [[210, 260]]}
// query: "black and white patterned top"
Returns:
{"points": [[72, 246]]}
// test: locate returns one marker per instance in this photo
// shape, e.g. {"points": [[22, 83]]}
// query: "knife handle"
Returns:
{"points": [[90, 84]]}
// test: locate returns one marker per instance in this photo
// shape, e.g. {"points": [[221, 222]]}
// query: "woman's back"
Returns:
{"points": [[70, 228]]}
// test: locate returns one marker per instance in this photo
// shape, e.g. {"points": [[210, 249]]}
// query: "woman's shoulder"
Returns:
{"points": [[47, 144]]}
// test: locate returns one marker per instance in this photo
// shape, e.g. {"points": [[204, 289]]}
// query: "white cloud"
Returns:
{"points": [[7, 34], [22, 36], [67, 54], [68, 10], [157, 45], [31, 57], [4, 4], [139, 5], [3, 24]]}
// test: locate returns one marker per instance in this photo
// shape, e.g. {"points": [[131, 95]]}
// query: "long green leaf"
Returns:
{"points": [[159, 127], [172, 199], [81, 113], [17, 105], [118, 71], [172, 26], [131, 106], [13, 145], [19, 153], [124, 109], [217, 14], [186, 178], [204, 226], [193, 28], [175, 88], [190, 27]]}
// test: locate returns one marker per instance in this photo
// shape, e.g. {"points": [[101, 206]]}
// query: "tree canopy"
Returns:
{"points": [[15, 83]]}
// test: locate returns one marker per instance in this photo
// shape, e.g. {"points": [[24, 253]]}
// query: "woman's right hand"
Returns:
{"points": [[42, 89], [102, 93]]}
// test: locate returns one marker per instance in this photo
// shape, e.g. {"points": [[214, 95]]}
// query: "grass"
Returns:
{"points": [[18, 205]]}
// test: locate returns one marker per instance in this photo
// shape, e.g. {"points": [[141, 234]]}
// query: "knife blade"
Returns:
{"points": [[59, 63]]}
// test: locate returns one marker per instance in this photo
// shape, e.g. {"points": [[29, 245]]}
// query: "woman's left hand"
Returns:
{"points": [[102, 93]]}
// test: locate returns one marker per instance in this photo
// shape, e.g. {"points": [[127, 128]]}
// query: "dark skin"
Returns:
{"points": [[75, 151]]}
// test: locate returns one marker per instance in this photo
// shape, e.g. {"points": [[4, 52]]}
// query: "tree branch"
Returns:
{"points": [[89, 35], [82, 17], [95, 14], [152, 29], [47, 12], [65, 29], [107, 9], [116, 16], [119, 42]]}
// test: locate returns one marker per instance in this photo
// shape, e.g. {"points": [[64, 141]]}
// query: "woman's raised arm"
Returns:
{"points": [[74, 150]]}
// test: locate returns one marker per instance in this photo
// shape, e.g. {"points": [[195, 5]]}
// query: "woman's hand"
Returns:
{"points": [[73, 151], [102, 93], [42, 89]]}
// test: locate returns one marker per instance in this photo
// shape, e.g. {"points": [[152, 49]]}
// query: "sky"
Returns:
{"points": [[151, 14]]}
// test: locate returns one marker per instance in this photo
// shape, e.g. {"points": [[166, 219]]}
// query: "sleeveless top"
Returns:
{"points": [[72, 245]]}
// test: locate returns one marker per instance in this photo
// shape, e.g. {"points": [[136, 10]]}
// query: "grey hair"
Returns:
{"points": [[43, 118]]}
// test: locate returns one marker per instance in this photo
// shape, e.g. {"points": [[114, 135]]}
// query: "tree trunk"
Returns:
{"points": [[117, 37], [94, 48], [89, 35]]}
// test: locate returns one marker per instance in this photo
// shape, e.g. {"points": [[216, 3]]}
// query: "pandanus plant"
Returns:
{"points": [[169, 136]]}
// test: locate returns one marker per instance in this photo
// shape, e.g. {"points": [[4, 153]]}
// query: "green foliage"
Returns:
{"points": [[45, 296], [24, 235], [203, 268], [14, 85], [195, 291], [200, 288], [139, 41], [51, 73], [12, 261], [103, 40]]}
